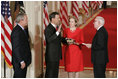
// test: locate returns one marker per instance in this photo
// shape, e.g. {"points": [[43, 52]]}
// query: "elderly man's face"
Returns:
{"points": [[96, 23]]}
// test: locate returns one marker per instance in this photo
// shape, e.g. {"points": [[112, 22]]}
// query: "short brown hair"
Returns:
{"points": [[52, 15]]}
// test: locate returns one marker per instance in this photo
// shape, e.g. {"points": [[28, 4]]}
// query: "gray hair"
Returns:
{"points": [[20, 17], [101, 19]]}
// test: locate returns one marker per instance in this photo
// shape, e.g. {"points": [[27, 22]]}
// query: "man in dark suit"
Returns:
{"points": [[21, 53], [53, 46], [99, 50]]}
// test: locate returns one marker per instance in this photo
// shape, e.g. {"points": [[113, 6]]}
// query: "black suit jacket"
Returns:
{"points": [[20, 47], [99, 50], [53, 44]]}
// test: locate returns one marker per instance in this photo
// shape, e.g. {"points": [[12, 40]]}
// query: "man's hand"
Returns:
{"points": [[87, 45], [23, 65], [59, 29], [76, 43]]}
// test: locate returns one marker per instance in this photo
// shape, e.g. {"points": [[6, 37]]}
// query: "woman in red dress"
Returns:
{"points": [[73, 52]]}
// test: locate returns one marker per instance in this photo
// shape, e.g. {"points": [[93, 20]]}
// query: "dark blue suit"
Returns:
{"points": [[20, 51]]}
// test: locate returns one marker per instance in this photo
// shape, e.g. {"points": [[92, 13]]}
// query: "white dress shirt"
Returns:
{"points": [[22, 29], [21, 26], [99, 27], [57, 33]]}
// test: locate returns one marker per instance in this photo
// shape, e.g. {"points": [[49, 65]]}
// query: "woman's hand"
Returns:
{"points": [[70, 41]]}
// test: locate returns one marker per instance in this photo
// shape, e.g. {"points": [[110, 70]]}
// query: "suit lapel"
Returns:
{"points": [[52, 28], [95, 37], [100, 29], [23, 32]]}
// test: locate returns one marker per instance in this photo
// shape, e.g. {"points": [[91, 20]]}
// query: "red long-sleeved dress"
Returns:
{"points": [[73, 53]]}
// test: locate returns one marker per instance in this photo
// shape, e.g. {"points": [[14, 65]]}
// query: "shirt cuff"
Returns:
{"points": [[21, 62], [57, 33]]}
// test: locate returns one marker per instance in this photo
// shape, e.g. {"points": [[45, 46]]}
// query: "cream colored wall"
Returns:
{"points": [[34, 12]]}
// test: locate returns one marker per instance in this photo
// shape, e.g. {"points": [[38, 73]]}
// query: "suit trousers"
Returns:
{"points": [[99, 70], [52, 69], [19, 73]]}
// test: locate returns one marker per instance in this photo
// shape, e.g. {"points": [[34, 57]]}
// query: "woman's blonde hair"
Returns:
{"points": [[74, 19]]}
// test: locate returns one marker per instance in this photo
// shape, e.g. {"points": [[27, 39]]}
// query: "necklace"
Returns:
{"points": [[72, 29]]}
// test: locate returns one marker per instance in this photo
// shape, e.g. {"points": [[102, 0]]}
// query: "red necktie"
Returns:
{"points": [[56, 28]]}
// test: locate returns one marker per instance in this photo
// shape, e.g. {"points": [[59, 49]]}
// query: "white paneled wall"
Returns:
{"points": [[34, 12]]}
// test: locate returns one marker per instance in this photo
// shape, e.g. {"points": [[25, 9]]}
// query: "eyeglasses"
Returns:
{"points": [[94, 21]]}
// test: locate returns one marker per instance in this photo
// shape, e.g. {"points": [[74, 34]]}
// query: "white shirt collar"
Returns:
{"points": [[99, 27], [21, 26], [54, 25]]}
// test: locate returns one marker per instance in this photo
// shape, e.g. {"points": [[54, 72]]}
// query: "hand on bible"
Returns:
{"points": [[70, 41]]}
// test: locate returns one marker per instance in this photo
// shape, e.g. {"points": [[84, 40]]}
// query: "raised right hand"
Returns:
{"points": [[59, 29]]}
